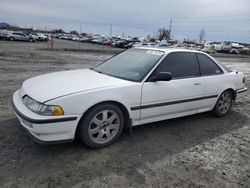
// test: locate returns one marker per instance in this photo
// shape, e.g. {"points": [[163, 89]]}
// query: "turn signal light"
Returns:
{"points": [[58, 111]]}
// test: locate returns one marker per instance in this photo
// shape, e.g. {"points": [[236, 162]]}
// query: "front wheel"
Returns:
{"points": [[223, 104], [102, 125]]}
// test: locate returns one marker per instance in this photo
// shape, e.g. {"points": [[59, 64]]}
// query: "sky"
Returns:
{"points": [[221, 19]]}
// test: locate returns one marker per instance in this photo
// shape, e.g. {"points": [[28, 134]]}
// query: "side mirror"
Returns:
{"points": [[162, 76]]}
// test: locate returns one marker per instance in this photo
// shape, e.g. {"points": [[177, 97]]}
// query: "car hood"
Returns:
{"points": [[53, 85]]}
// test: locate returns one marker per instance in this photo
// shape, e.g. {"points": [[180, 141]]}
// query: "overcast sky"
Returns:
{"points": [[221, 19]]}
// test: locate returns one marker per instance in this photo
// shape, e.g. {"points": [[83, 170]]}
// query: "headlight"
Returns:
{"points": [[42, 109]]}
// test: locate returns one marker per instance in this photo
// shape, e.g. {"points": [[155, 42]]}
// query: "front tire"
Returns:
{"points": [[101, 126], [223, 104]]}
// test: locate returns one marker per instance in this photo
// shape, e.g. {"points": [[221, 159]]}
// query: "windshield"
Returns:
{"points": [[132, 64]]}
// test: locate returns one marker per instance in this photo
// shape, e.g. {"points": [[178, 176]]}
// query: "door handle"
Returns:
{"points": [[197, 83]]}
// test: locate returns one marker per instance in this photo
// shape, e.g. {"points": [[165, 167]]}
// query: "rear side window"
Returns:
{"points": [[208, 66], [180, 65]]}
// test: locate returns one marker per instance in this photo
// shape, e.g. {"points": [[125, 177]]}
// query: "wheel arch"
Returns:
{"points": [[127, 119], [234, 93]]}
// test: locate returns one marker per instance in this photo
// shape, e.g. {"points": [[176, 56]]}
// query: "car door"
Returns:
{"points": [[23, 36], [212, 75], [180, 96], [16, 36]]}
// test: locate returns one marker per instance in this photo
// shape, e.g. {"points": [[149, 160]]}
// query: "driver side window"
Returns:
{"points": [[180, 65]]}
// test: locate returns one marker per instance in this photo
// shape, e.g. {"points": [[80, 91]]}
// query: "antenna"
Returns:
{"points": [[79, 36]]}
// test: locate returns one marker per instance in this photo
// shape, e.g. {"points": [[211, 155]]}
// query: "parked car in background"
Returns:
{"points": [[208, 50], [42, 37], [98, 40], [137, 44], [34, 36], [108, 43], [20, 36], [235, 48], [138, 86], [217, 47], [3, 34], [75, 38], [180, 46], [86, 39], [164, 45], [66, 37], [122, 44], [244, 50]]}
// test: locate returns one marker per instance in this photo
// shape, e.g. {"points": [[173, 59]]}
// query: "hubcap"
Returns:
{"points": [[224, 102], [104, 126]]}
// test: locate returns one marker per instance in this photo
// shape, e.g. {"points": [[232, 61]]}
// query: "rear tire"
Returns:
{"points": [[223, 104], [11, 39], [101, 126]]}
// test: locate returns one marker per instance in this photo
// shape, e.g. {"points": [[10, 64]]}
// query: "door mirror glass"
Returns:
{"points": [[162, 76]]}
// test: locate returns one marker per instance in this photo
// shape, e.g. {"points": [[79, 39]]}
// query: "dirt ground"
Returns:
{"points": [[193, 151]]}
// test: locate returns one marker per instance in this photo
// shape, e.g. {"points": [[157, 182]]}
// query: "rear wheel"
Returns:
{"points": [[102, 125], [11, 38], [223, 104]]}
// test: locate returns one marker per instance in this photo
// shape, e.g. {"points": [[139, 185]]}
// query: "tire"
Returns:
{"points": [[101, 126], [12, 39], [30, 40], [223, 104]]}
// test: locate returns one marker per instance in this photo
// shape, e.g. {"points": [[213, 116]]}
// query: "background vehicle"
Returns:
{"points": [[34, 36], [3, 34], [208, 50], [19, 36], [42, 37], [108, 43], [235, 48]]}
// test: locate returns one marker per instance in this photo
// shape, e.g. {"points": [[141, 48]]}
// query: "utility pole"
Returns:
{"points": [[110, 30], [170, 28], [79, 42]]}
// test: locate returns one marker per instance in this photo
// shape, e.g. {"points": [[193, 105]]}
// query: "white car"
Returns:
{"points": [[20, 36], [34, 36], [75, 38], [42, 37], [138, 86]]}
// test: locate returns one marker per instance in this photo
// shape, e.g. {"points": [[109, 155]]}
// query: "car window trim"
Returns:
{"points": [[175, 78], [222, 72]]}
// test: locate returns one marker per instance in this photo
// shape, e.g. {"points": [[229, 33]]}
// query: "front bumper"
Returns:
{"points": [[45, 129]]}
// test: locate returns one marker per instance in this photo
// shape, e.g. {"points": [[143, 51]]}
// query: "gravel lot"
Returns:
{"points": [[193, 151]]}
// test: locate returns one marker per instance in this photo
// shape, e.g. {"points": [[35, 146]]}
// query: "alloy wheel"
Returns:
{"points": [[104, 126], [224, 102]]}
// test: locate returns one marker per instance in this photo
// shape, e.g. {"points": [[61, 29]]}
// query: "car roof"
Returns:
{"points": [[168, 50]]}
